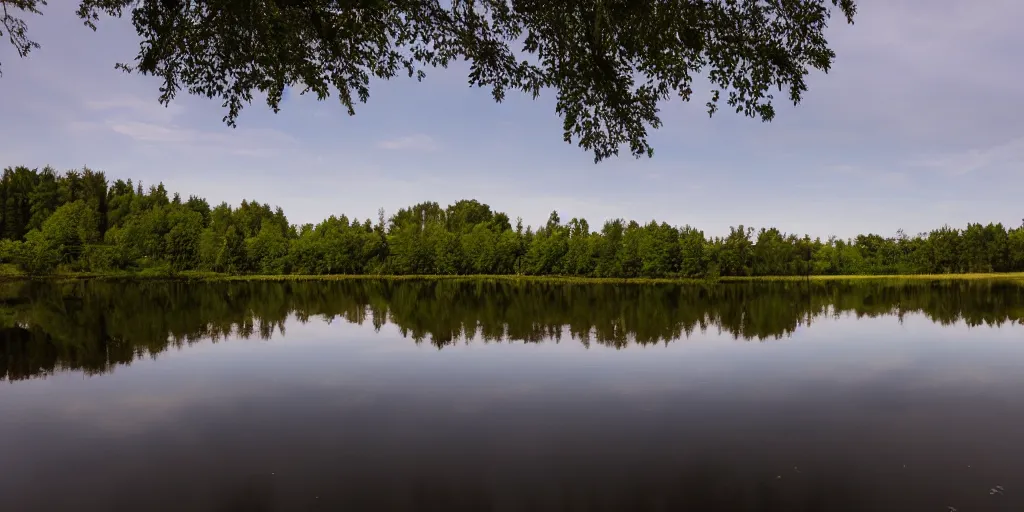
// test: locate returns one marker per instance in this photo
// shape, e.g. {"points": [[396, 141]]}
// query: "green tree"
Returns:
{"points": [[734, 252], [626, 56], [69, 229], [142, 238], [510, 250], [449, 258], [200, 206], [480, 247], [659, 250], [44, 199], [36, 255], [609, 246], [94, 193], [181, 243], [631, 256], [945, 243], [580, 257], [71, 187], [463, 215], [772, 253], [119, 202], [231, 257], [693, 256], [267, 252], [412, 237], [546, 252], [17, 187], [1015, 248]]}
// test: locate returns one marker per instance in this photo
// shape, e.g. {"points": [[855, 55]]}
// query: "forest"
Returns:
{"points": [[77, 221]]}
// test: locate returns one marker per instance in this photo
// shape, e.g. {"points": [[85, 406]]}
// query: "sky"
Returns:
{"points": [[918, 124]]}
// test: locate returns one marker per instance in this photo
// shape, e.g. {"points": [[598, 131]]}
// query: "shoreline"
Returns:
{"points": [[214, 276]]}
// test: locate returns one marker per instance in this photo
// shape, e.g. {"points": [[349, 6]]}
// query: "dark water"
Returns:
{"points": [[483, 396]]}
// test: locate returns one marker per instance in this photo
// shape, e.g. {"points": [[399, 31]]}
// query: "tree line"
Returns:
{"points": [[77, 221], [93, 326]]}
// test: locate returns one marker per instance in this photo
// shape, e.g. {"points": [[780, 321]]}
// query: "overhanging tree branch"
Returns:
{"points": [[609, 62]]}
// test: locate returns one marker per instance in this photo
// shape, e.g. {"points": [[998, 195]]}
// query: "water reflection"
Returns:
{"points": [[93, 326], [856, 413]]}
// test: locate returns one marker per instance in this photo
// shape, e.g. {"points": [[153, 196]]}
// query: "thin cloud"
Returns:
{"points": [[148, 122], [241, 142], [147, 108], [418, 142], [149, 132], [1000, 156]]}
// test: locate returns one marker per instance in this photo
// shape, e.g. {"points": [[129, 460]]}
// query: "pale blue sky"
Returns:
{"points": [[919, 124]]}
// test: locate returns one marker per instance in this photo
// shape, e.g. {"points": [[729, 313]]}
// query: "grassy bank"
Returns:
{"points": [[606, 280], [901, 277], [10, 273]]}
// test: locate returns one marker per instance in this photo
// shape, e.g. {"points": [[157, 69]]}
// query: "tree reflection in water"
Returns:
{"points": [[93, 326]]}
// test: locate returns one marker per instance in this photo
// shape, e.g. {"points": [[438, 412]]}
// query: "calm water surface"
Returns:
{"points": [[485, 396]]}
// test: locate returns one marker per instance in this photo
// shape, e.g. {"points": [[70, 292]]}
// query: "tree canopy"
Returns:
{"points": [[609, 62]]}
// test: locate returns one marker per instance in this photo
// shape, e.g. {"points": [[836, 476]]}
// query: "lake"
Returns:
{"points": [[494, 395]]}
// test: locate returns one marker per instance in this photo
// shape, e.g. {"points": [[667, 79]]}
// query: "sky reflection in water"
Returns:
{"points": [[848, 413]]}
